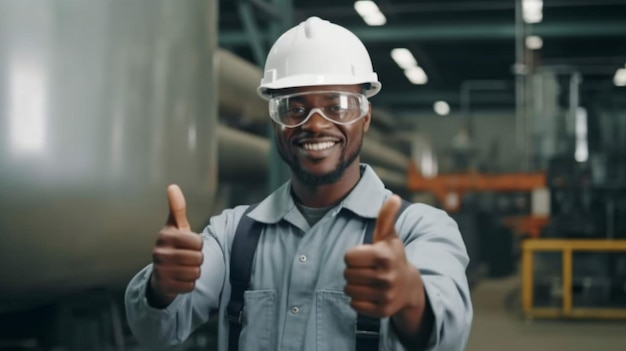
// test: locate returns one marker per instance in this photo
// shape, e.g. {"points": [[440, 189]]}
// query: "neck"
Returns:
{"points": [[327, 194]]}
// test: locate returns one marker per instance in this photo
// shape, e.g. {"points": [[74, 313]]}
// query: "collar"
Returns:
{"points": [[365, 200]]}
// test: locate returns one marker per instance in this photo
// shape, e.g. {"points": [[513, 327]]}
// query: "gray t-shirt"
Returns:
{"points": [[312, 214]]}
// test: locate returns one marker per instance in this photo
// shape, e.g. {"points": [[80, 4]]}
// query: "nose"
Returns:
{"points": [[316, 122]]}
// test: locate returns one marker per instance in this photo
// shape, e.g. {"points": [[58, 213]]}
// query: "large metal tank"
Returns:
{"points": [[102, 104]]}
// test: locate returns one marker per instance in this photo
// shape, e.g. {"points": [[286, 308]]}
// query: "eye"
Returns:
{"points": [[334, 108], [296, 110]]}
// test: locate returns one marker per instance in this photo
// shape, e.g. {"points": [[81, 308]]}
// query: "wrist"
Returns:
{"points": [[155, 297], [409, 321], [416, 297]]}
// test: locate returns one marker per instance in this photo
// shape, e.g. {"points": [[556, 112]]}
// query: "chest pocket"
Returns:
{"points": [[335, 320], [258, 321]]}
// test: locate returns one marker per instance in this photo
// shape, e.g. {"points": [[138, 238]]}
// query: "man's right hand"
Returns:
{"points": [[177, 255]]}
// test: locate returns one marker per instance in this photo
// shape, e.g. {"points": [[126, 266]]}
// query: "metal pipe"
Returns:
{"points": [[574, 102], [375, 153], [464, 6], [242, 156], [454, 31], [267, 9], [238, 80], [392, 180], [246, 15], [519, 79]]}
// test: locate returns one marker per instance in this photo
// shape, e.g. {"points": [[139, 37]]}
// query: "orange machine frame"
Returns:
{"points": [[444, 185]]}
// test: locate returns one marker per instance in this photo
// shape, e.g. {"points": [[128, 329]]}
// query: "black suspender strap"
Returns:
{"points": [[241, 258], [368, 328]]}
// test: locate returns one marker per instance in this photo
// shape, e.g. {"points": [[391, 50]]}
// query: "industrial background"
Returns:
{"points": [[508, 114]]}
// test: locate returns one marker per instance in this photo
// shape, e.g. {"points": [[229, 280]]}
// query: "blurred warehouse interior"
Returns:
{"points": [[510, 115]]}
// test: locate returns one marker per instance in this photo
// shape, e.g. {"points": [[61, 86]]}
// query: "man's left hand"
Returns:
{"points": [[379, 279]]}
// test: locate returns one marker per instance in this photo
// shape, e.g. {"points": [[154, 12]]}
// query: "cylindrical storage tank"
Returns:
{"points": [[102, 105]]}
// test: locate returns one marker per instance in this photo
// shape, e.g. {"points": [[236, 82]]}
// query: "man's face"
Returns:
{"points": [[319, 151]]}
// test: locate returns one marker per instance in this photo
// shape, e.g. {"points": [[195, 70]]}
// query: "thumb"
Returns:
{"points": [[385, 223], [178, 208]]}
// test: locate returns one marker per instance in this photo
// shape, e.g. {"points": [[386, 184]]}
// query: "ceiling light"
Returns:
{"points": [[403, 58], [534, 42], [441, 108], [370, 12], [620, 77], [532, 11], [416, 75], [376, 19]]}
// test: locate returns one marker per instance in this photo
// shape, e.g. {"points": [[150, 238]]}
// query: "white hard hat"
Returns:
{"points": [[317, 52]]}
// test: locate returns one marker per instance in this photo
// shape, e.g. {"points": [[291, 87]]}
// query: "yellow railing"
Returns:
{"points": [[566, 247]]}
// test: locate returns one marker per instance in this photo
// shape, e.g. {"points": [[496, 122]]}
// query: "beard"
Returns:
{"points": [[345, 160]]}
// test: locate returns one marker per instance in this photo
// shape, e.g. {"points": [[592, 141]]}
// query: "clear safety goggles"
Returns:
{"points": [[339, 107]]}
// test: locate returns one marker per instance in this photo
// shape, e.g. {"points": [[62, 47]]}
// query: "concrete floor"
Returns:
{"points": [[500, 326]]}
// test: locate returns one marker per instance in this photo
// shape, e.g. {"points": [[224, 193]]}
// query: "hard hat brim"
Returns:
{"points": [[264, 90]]}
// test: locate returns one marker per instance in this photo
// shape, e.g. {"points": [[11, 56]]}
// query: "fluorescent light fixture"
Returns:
{"points": [[620, 77], [366, 7], [532, 11], [582, 151], [581, 123], [403, 57], [428, 165], [370, 12], [534, 42], [27, 106], [416, 75], [581, 154], [441, 108], [377, 19]]}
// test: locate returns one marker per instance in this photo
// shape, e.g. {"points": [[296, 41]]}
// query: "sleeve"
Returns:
{"points": [[162, 328], [435, 246]]}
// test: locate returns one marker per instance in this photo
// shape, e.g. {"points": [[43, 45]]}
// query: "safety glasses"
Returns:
{"points": [[339, 107]]}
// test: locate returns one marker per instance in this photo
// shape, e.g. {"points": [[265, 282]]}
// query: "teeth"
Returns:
{"points": [[319, 146]]}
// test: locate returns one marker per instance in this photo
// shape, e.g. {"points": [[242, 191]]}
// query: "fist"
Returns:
{"points": [[177, 254]]}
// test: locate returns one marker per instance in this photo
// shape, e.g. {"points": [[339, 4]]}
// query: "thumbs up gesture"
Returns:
{"points": [[176, 256], [379, 279]]}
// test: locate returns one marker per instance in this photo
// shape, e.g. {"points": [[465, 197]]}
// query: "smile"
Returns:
{"points": [[318, 146]]}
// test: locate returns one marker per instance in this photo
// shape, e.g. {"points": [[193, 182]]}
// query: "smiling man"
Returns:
{"points": [[331, 260]]}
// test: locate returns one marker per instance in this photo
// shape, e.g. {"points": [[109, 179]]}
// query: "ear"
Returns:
{"points": [[367, 119]]}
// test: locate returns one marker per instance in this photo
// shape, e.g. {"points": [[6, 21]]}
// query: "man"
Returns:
{"points": [[311, 275]]}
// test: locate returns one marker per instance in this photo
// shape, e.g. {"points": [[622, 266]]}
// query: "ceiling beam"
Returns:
{"points": [[450, 6], [427, 98], [474, 31]]}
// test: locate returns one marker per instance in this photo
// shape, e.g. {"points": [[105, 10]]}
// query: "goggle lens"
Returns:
{"points": [[339, 107]]}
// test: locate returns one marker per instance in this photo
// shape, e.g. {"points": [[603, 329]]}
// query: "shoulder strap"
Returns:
{"points": [[368, 328], [241, 258], [369, 230]]}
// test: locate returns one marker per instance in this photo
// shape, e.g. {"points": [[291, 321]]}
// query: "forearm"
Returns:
{"points": [[154, 328]]}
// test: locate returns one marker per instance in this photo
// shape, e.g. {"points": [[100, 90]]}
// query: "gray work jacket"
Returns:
{"points": [[297, 300]]}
